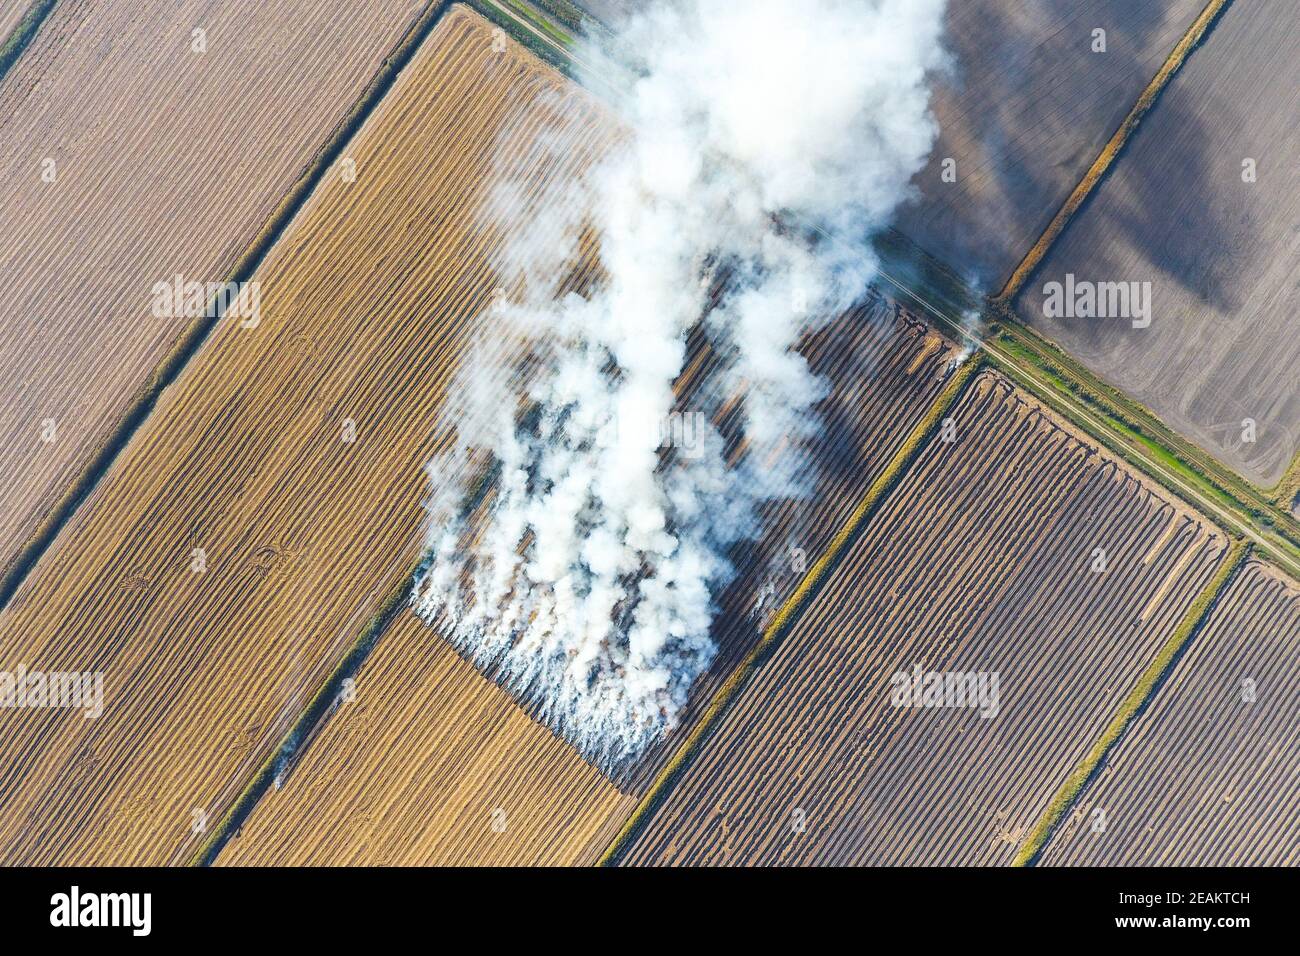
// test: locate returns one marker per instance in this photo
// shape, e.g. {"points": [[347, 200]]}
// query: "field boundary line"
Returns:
{"points": [[318, 709], [808, 586], [23, 33], [171, 366], [1126, 414], [537, 31], [1082, 417], [1113, 419], [1143, 692], [1110, 152]]}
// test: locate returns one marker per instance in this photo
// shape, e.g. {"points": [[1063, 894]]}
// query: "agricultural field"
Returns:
{"points": [[134, 159], [885, 369], [1023, 113], [993, 626], [981, 561], [1203, 207], [430, 763], [242, 541], [1206, 776]]}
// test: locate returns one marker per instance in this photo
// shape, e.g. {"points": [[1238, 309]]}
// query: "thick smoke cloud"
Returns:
{"points": [[763, 139]]}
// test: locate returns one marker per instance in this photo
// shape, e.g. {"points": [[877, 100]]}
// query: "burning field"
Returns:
{"points": [[588, 585], [485, 467]]}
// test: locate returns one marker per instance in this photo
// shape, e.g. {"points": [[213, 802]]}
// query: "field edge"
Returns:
{"points": [[789, 612]]}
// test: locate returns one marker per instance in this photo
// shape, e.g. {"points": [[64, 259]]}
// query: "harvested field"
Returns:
{"points": [[247, 456], [980, 561], [1219, 252], [133, 159], [885, 372], [884, 369], [1025, 112], [1206, 776], [431, 764]]}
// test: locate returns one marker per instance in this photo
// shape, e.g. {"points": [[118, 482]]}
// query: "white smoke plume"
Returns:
{"points": [[762, 138]]}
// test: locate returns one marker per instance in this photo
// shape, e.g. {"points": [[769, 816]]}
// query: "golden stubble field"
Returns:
{"points": [[292, 455], [432, 764], [981, 561], [127, 158], [1206, 776]]}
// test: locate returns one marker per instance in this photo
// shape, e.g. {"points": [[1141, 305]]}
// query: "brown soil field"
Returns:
{"points": [[165, 162], [1024, 113], [430, 763], [979, 561], [304, 533], [1206, 776], [884, 370], [1220, 253]]}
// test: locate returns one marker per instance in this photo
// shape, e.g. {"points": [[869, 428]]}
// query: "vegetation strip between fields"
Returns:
{"points": [[1279, 550], [173, 364], [1195, 33], [1070, 394], [1137, 423], [318, 709], [1287, 493], [23, 34], [1193, 621], [789, 612]]}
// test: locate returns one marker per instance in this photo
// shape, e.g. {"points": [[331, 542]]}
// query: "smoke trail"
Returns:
{"points": [[582, 573]]}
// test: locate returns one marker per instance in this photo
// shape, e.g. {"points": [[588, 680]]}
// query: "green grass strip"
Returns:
{"points": [[879, 489], [1034, 349], [1044, 381], [1191, 623], [1287, 492], [542, 23], [23, 34], [501, 13]]}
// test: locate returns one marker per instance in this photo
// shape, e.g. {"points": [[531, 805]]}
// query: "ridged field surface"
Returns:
{"points": [[11, 12], [431, 764], [883, 368], [292, 455], [981, 560], [1207, 775], [405, 802], [127, 158]]}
